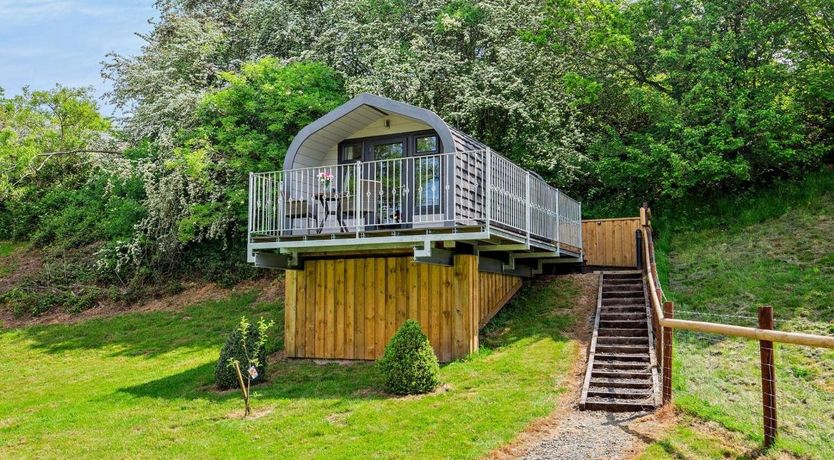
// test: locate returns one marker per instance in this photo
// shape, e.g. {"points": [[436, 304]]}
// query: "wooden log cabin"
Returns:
{"points": [[384, 212]]}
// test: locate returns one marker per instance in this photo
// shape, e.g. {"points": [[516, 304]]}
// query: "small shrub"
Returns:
{"points": [[409, 364], [244, 352]]}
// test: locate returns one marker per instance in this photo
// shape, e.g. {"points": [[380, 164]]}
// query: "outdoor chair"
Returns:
{"points": [[295, 209], [361, 207]]}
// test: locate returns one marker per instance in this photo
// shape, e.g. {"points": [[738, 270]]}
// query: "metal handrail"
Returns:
{"points": [[478, 187]]}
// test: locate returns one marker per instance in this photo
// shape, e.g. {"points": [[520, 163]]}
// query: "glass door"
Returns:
{"points": [[389, 181]]}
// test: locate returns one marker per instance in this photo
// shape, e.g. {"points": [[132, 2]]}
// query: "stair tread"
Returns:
{"points": [[612, 391], [621, 374], [625, 365], [612, 404], [622, 355], [613, 381]]}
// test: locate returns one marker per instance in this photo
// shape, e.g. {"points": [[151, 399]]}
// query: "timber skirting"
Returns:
{"points": [[350, 308]]}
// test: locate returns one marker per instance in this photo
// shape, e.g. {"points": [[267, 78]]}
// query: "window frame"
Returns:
{"points": [[409, 139]]}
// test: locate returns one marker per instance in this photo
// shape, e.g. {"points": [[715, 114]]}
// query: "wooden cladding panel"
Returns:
{"points": [[610, 242], [350, 308], [495, 290]]}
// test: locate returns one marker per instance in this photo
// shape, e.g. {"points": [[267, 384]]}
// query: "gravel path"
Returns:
{"points": [[584, 435]]}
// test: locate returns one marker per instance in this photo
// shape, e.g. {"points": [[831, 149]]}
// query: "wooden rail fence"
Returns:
{"points": [[663, 320]]}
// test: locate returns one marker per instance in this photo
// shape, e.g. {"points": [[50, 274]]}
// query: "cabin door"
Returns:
{"points": [[389, 171]]}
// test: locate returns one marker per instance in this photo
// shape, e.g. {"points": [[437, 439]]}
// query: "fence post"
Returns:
{"points": [[768, 378], [668, 312], [638, 235]]}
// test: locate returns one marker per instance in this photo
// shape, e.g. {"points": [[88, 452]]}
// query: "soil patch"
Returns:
{"points": [[270, 289]]}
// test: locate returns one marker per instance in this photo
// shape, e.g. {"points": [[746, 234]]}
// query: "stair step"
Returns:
{"points": [[622, 301], [625, 285], [621, 382], [615, 292], [619, 276], [620, 365], [643, 357], [622, 323], [635, 309], [622, 281], [613, 316], [620, 332], [619, 393], [620, 374], [618, 405], [616, 348], [619, 340]]}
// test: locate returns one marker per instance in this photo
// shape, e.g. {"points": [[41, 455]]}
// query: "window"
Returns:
{"points": [[351, 153], [426, 144]]}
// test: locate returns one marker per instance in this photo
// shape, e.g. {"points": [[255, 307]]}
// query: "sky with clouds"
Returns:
{"points": [[64, 41]]}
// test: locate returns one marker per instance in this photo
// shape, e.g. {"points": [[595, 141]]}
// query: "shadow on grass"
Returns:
{"points": [[540, 310], [204, 325], [286, 380]]}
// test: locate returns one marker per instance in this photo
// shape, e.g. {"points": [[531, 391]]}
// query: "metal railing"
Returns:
{"points": [[475, 188]]}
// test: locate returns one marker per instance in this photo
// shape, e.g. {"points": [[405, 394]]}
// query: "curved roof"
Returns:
{"points": [[313, 140]]}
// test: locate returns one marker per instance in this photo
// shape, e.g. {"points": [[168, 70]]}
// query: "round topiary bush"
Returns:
{"points": [[225, 376], [409, 364]]}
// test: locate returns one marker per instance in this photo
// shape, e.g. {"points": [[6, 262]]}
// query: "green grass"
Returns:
{"points": [[7, 248], [690, 439], [140, 386], [773, 248]]}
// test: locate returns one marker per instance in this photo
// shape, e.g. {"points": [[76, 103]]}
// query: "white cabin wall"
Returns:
{"points": [[398, 124]]}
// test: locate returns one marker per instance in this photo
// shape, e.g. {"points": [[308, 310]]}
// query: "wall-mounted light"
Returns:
{"points": [[387, 123]]}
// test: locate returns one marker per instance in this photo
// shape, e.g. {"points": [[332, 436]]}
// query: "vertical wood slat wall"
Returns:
{"points": [[610, 242], [350, 308]]}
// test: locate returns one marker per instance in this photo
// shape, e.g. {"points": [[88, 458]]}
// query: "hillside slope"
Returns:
{"points": [[775, 248]]}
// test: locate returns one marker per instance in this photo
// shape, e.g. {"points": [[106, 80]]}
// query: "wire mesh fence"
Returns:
{"points": [[721, 377]]}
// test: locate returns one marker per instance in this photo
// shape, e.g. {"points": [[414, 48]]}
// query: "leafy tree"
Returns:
{"points": [[49, 140], [196, 192], [696, 96], [467, 60]]}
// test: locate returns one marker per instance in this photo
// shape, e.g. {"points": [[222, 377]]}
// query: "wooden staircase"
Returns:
{"points": [[622, 365]]}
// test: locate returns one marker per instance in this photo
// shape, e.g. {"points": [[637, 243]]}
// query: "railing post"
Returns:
{"points": [[488, 188], [558, 230], [768, 378], [527, 206], [357, 206], [579, 226], [449, 177], [668, 312], [250, 223], [638, 236]]}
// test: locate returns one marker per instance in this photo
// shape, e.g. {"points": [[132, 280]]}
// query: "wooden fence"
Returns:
{"points": [[663, 321], [350, 308], [610, 242]]}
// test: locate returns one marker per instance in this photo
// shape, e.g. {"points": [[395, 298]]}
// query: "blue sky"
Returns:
{"points": [[64, 41]]}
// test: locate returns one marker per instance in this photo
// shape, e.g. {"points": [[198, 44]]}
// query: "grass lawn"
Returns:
{"points": [[694, 439], [771, 249], [140, 386], [7, 249]]}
